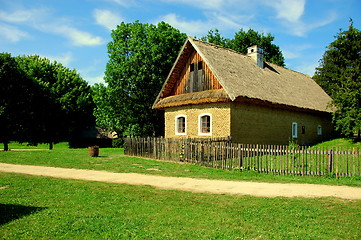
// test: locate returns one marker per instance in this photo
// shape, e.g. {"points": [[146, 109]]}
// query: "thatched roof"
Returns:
{"points": [[240, 77], [210, 96]]}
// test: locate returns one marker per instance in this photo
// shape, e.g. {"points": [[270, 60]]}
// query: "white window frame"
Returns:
{"points": [[294, 130], [176, 125], [200, 133], [319, 130]]}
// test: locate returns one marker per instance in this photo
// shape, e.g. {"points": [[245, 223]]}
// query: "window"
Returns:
{"points": [[319, 130], [294, 130], [205, 125], [303, 130], [192, 67], [200, 65], [180, 125]]}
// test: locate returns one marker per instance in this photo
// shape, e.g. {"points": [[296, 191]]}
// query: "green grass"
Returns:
{"points": [[48, 208], [17, 145], [41, 208], [113, 160], [340, 142]]}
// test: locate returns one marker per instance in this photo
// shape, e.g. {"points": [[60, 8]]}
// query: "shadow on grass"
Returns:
{"points": [[11, 212]]}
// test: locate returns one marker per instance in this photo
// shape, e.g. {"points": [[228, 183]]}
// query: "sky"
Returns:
{"points": [[76, 32]]}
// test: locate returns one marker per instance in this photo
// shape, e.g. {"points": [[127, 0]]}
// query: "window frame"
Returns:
{"points": [[176, 129], [294, 130], [200, 117]]}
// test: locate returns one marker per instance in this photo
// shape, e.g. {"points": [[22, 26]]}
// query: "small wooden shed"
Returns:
{"points": [[212, 91]]}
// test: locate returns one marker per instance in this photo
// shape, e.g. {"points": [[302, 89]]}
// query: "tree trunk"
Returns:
{"points": [[6, 146], [50, 145]]}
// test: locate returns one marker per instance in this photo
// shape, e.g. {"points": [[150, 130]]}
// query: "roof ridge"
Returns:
{"points": [[218, 46], [245, 55]]}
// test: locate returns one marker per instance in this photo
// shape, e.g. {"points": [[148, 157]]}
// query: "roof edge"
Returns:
{"points": [[171, 71]]}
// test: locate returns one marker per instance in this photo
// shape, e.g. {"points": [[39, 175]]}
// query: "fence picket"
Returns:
{"points": [[221, 153]]}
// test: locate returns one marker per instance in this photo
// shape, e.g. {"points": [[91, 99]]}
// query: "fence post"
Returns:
{"points": [[330, 160], [240, 159]]}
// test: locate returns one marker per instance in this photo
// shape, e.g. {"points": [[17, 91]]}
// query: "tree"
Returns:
{"points": [[242, 40], [140, 57], [68, 108], [214, 36], [339, 74], [18, 96]]}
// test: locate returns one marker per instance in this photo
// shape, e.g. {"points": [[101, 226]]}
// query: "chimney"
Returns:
{"points": [[257, 54]]}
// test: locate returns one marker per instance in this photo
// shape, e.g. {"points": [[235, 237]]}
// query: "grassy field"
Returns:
{"points": [[42, 208], [112, 159], [48, 208]]}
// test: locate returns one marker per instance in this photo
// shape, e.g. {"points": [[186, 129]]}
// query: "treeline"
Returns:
{"points": [[44, 102], [41, 101]]}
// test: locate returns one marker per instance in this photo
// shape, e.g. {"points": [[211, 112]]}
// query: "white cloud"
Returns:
{"points": [[289, 10], [301, 28], [11, 33], [38, 19], [20, 16], [290, 13], [192, 28], [78, 38], [198, 27], [107, 18]]}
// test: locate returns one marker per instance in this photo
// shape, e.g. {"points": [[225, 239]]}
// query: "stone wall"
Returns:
{"points": [[250, 123], [220, 118], [265, 125]]}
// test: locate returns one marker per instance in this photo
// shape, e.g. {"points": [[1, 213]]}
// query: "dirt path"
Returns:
{"points": [[192, 185]]}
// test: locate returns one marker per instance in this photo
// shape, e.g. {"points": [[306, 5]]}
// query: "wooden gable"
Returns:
{"points": [[195, 77], [189, 74]]}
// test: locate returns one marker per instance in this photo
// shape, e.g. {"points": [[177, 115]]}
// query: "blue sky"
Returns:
{"points": [[76, 32]]}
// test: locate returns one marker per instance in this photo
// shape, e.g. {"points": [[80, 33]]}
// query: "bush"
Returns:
{"points": [[118, 143]]}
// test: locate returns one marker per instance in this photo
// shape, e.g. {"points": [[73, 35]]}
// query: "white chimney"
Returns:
{"points": [[257, 54]]}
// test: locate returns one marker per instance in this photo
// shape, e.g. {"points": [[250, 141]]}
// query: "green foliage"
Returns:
{"points": [[19, 97], [242, 40], [42, 101], [140, 57], [68, 107], [339, 74], [118, 142], [214, 36]]}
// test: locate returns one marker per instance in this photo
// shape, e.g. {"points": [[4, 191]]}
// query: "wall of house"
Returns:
{"points": [[220, 117], [264, 125], [250, 123]]}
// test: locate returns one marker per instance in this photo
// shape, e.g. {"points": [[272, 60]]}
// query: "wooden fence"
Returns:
{"points": [[221, 153]]}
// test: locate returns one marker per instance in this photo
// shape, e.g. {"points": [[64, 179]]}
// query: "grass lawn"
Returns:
{"points": [[41, 208], [113, 160], [340, 142], [49, 208]]}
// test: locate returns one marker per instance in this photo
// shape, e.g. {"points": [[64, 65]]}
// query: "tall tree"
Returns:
{"points": [[68, 108], [18, 96], [339, 74], [140, 57], [242, 40]]}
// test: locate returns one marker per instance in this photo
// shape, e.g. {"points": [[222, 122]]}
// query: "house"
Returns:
{"points": [[212, 91]]}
